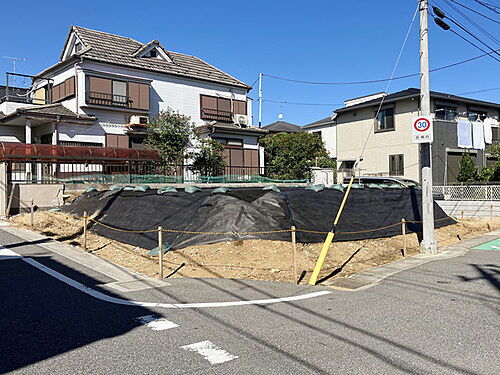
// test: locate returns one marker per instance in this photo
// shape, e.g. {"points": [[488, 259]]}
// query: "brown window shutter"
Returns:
{"points": [[101, 85], [240, 107], [122, 141], [111, 140], [208, 102], [224, 104], [237, 157], [70, 86], [62, 90], [134, 94], [143, 96], [55, 93]]}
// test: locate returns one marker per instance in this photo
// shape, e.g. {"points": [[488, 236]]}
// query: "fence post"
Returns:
{"points": [[491, 213], [85, 221], [32, 213], [403, 230], [294, 255], [160, 251]]}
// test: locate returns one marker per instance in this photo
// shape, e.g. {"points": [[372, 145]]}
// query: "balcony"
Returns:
{"points": [[216, 114], [110, 100]]}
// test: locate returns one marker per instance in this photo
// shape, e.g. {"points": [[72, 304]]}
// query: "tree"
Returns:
{"points": [[169, 133], [208, 158], [290, 156], [467, 169]]}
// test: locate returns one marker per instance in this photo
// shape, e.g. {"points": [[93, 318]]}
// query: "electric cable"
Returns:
{"points": [[489, 6], [380, 80], [295, 103], [390, 80], [475, 11], [493, 38], [479, 91]]}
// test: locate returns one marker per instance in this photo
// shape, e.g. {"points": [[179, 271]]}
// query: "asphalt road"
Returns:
{"points": [[438, 318]]}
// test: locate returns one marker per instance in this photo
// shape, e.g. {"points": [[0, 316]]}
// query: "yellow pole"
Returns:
{"points": [[329, 238], [160, 249], [294, 255]]}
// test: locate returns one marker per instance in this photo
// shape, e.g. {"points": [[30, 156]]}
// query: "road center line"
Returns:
{"points": [[104, 297], [210, 352]]}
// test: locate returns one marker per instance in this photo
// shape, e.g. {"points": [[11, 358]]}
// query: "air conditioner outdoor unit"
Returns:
{"points": [[241, 120], [139, 120]]}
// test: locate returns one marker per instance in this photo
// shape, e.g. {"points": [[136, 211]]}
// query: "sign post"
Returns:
{"points": [[421, 129]]}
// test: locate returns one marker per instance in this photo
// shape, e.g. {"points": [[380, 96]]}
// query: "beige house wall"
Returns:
{"points": [[354, 127]]}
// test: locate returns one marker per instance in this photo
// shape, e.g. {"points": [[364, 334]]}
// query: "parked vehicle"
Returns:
{"points": [[390, 183]]}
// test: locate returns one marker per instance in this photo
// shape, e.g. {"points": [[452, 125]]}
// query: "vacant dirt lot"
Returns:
{"points": [[251, 259]]}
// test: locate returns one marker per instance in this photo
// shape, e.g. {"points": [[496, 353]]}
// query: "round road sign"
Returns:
{"points": [[421, 124]]}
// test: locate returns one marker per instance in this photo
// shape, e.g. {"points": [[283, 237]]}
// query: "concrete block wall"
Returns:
{"points": [[480, 209]]}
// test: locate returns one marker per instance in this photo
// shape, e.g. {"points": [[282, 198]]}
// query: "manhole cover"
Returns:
{"points": [[347, 283]]}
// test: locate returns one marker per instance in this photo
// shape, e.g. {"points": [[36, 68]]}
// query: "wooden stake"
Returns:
{"points": [[462, 215], [9, 203], [294, 255], [32, 213], [403, 230], [160, 249], [85, 221], [491, 213]]}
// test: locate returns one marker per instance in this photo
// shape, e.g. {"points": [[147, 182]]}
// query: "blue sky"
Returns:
{"points": [[319, 40]]}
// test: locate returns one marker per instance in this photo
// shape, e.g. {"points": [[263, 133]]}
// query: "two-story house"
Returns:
{"points": [[105, 88], [385, 144], [326, 130]]}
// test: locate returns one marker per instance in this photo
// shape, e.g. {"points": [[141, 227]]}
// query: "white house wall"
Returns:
{"points": [[180, 94], [81, 133], [353, 129], [329, 137], [11, 133]]}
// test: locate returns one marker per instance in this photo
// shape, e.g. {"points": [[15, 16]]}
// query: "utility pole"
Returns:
{"points": [[428, 244], [260, 100]]}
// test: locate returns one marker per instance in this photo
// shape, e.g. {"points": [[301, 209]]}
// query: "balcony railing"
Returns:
{"points": [[111, 100], [216, 114]]}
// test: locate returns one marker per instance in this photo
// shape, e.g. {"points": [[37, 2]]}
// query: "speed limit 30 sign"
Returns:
{"points": [[421, 129]]}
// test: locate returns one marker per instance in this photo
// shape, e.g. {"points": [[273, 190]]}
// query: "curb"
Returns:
{"points": [[372, 277], [125, 280]]}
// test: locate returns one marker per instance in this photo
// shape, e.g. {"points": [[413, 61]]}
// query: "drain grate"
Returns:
{"points": [[350, 283]]}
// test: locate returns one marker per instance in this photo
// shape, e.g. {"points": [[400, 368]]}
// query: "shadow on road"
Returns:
{"points": [[41, 317]]}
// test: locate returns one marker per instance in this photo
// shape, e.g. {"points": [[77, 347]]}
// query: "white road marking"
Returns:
{"points": [[210, 352], [104, 297], [6, 254], [156, 323]]}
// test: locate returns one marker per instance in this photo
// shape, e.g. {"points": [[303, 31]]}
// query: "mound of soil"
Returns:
{"points": [[250, 259]]}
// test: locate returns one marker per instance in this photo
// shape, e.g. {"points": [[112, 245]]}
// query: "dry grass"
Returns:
{"points": [[251, 259]]}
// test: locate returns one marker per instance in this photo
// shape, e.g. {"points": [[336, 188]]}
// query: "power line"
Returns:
{"points": [[479, 91], [296, 103], [489, 6], [475, 11], [464, 29], [446, 27], [381, 80], [479, 27]]}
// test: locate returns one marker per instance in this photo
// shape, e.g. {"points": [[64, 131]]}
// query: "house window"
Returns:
{"points": [[78, 46], [396, 165], [446, 112], [477, 114], [385, 120], [117, 140], [75, 143], [63, 90], [239, 107], [116, 93], [495, 133], [215, 108], [317, 133]]}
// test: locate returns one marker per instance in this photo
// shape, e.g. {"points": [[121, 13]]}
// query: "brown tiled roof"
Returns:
{"points": [[230, 127], [115, 49], [51, 110]]}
